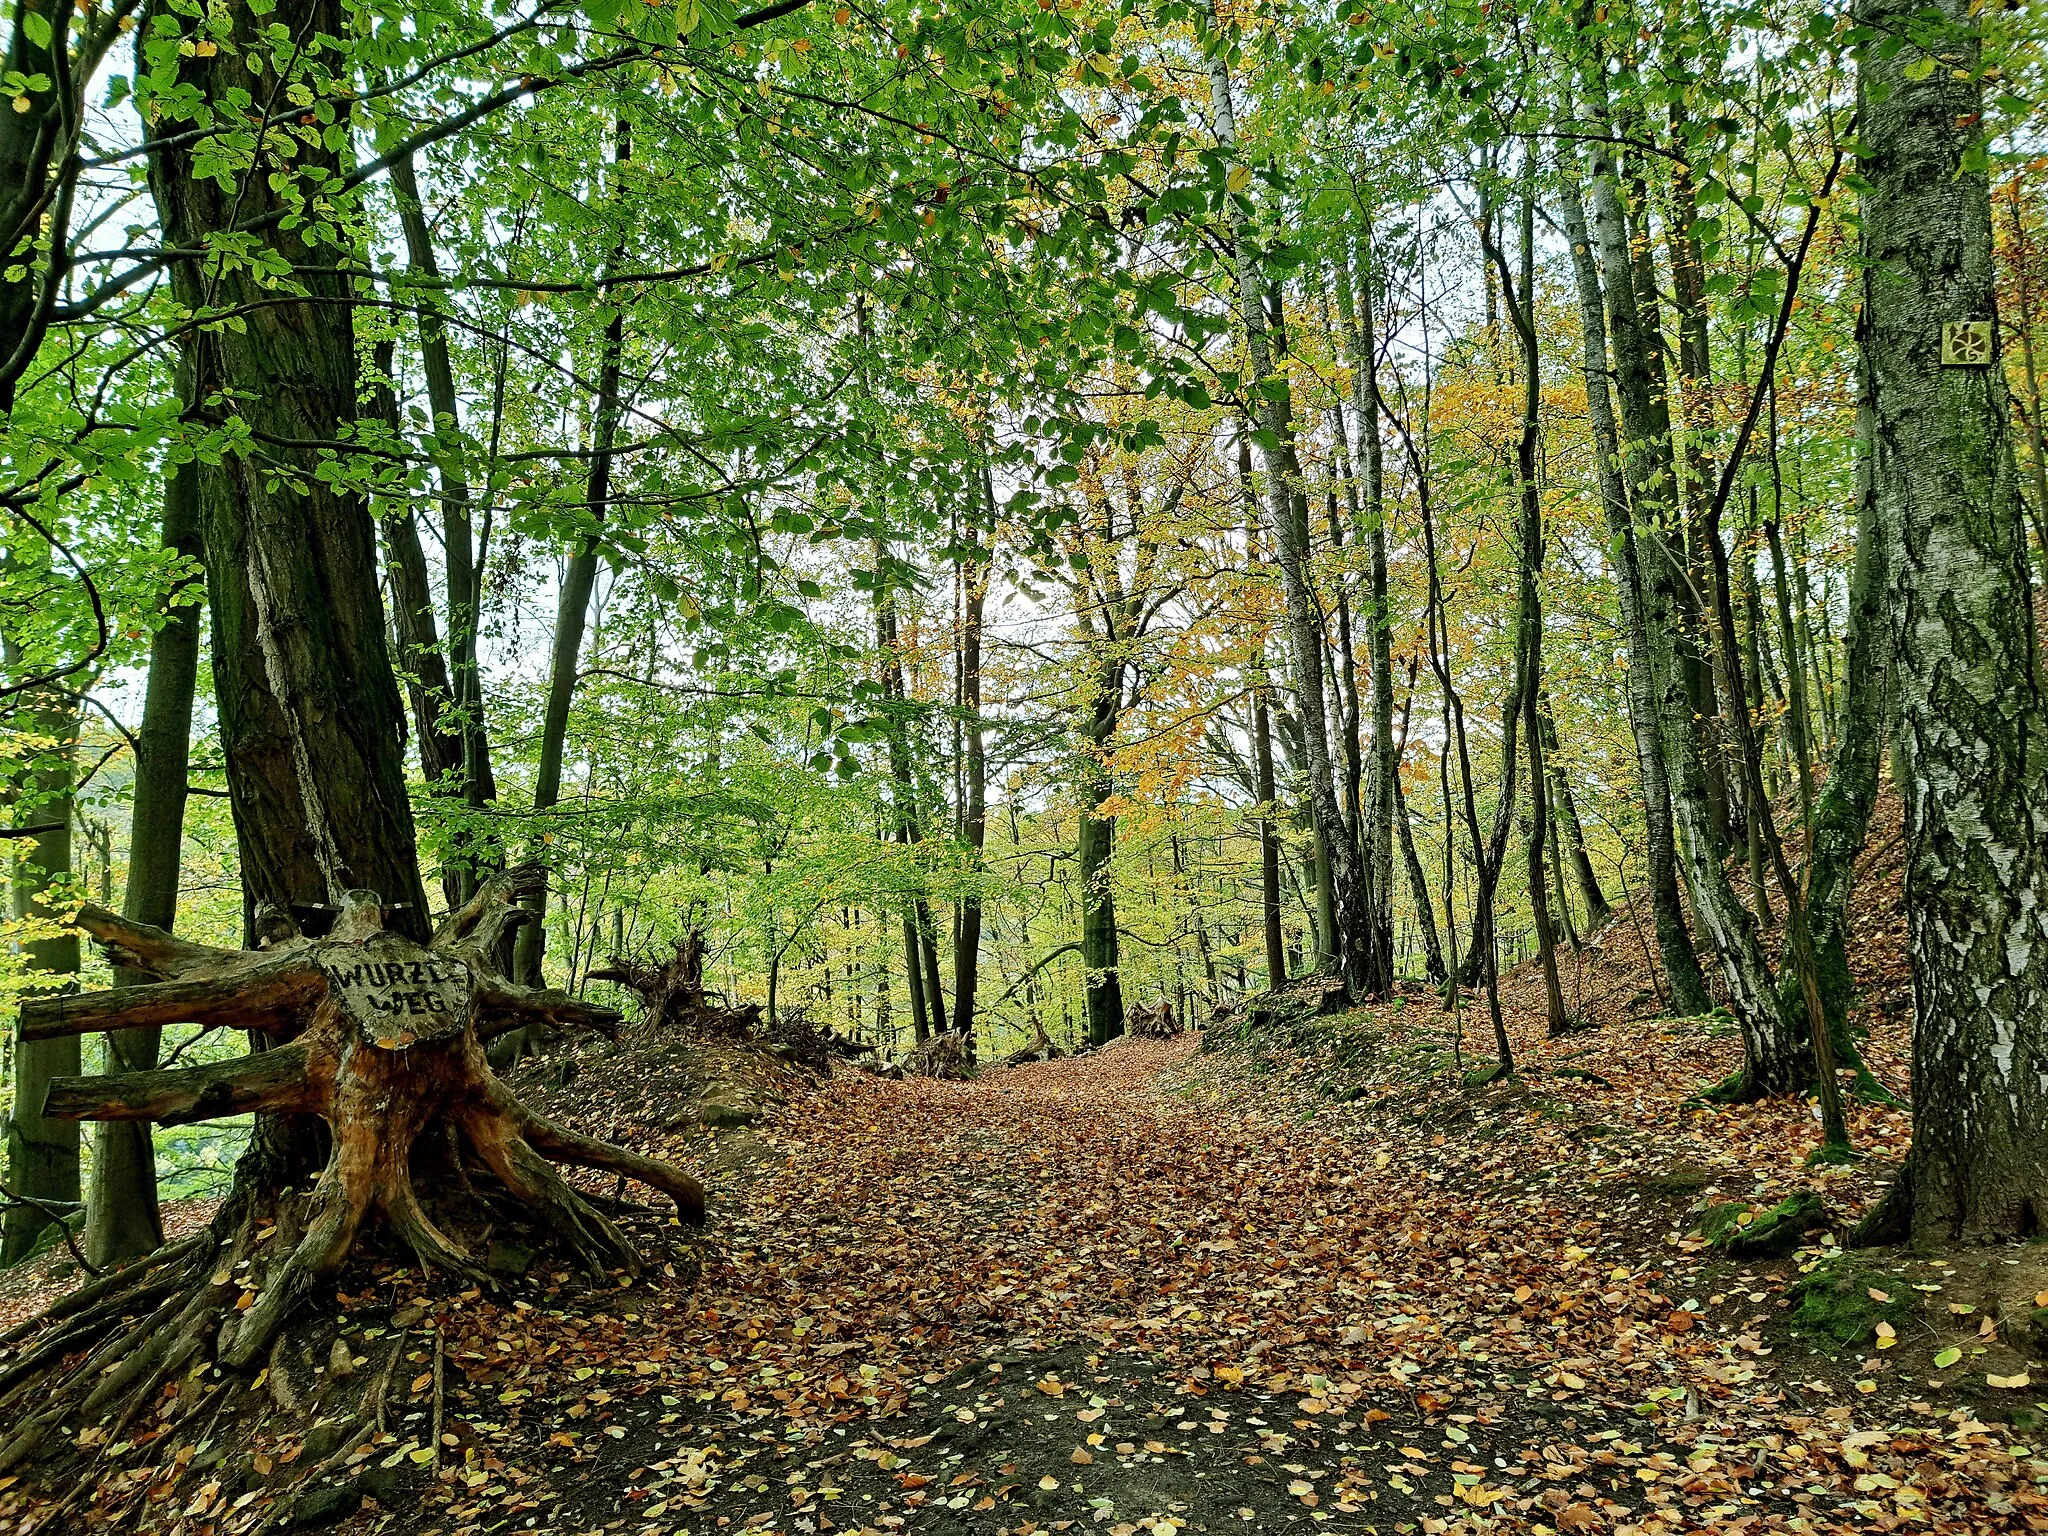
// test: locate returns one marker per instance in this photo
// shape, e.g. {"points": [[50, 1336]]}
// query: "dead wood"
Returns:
{"points": [[944, 1055], [1152, 1021], [383, 1040], [1038, 1048]]}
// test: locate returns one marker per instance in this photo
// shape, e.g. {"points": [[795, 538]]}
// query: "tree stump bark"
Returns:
{"points": [[381, 1038]]}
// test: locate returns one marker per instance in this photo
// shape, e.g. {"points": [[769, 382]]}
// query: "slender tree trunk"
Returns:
{"points": [[458, 541], [572, 614], [1598, 909], [1418, 890], [1798, 721], [1687, 986], [1376, 830], [122, 1220], [1841, 818], [926, 1012], [974, 812], [1521, 298], [1697, 481], [42, 1154], [1269, 844], [1273, 403], [1971, 763]]}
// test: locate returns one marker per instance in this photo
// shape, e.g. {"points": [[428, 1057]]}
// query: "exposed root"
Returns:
{"points": [[381, 1042]]}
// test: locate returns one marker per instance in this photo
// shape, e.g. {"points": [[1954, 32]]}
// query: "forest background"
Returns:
{"points": [[993, 514]]}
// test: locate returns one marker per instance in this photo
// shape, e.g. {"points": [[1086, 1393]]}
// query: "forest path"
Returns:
{"points": [[1110, 1294]]}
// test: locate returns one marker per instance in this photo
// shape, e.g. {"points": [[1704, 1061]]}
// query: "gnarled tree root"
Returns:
{"points": [[384, 1042]]}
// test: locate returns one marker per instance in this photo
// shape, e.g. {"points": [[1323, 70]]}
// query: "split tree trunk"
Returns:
{"points": [[1971, 761]]}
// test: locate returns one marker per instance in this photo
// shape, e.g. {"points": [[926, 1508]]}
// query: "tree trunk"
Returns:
{"points": [[974, 815], [1841, 817], [1382, 771], [1521, 297], [42, 1153], [122, 1220], [1289, 514], [1269, 844], [1687, 986], [1598, 909], [1099, 945], [572, 616], [1971, 765], [477, 781], [308, 707]]}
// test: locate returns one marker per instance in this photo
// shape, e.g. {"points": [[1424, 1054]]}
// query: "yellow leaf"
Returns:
{"points": [[1048, 1482], [2021, 1380], [1239, 178]]}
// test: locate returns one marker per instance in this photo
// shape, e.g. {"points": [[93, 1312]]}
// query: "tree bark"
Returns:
{"points": [[122, 1220], [42, 1153], [308, 706], [1971, 764], [1687, 986], [1273, 403]]}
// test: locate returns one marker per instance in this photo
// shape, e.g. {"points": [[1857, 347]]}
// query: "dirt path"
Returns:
{"points": [[1147, 1291], [1080, 1297]]}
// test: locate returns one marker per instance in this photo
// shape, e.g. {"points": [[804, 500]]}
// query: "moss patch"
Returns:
{"points": [[1743, 1232], [1846, 1298]]}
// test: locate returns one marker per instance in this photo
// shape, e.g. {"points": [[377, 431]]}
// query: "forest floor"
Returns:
{"points": [[1308, 1275]]}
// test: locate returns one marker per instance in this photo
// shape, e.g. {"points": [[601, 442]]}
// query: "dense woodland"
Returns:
{"points": [[969, 518]]}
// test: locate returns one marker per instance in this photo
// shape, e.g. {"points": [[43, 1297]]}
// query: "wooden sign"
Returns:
{"points": [[1966, 344], [396, 992]]}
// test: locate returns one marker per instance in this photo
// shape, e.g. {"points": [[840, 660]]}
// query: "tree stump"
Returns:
{"points": [[381, 1038], [944, 1055], [671, 991], [1153, 1021]]}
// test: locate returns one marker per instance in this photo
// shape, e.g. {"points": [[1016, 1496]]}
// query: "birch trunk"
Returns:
{"points": [[1971, 761]]}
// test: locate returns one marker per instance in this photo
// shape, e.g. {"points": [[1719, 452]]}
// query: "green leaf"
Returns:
{"points": [[37, 27], [1947, 1358]]}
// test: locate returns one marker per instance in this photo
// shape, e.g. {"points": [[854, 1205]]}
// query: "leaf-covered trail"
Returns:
{"points": [[1074, 1296]]}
